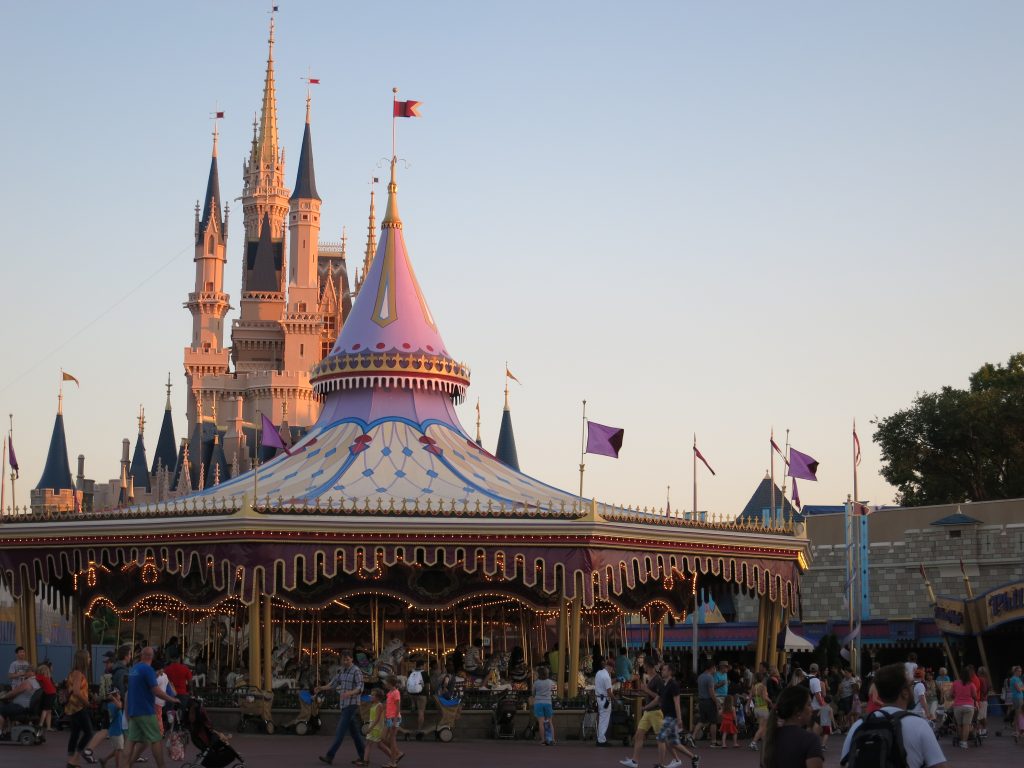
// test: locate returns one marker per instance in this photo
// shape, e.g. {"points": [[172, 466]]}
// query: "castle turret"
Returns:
{"points": [[139, 469], [165, 457], [55, 491], [506, 449], [303, 323]]}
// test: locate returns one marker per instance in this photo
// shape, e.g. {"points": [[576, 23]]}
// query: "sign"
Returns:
{"points": [[1003, 604], [951, 616]]}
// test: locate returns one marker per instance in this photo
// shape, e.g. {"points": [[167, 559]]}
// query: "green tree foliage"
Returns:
{"points": [[959, 444]]}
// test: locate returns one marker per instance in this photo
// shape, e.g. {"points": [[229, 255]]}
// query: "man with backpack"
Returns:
{"points": [[892, 737], [416, 687], [817, 698]]}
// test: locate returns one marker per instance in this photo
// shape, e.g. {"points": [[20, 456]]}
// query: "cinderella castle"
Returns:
{"points": [[295, 297]]}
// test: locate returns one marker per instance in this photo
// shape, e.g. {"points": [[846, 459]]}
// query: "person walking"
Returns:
{"points": [[672, 715], [416, 687], [393, 718], [652, 717], [77, 709], [762, 709], [965, 697], [348, 682], [787, 742], [43, 677], [707, 703], [1017, 701], [920, 746], [543, 688], [605, 696], [143, 692]]}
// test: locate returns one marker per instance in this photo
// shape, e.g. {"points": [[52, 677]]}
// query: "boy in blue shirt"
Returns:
{"points": [[115, 731]]}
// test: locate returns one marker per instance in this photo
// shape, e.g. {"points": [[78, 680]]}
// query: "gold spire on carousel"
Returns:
{"points": [[391, 218], [478, 441]]}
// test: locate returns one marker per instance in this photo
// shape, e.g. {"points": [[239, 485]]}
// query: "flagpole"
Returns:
{"points": [[3, 479], [857, 549], [785, 466], [394, 103], [771, 453], [10, 441], [694, 476], [583, 437], [256, 459], [945, 641]]}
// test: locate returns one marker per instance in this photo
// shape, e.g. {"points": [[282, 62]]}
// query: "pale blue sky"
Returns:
{"points": [[710, 217]]}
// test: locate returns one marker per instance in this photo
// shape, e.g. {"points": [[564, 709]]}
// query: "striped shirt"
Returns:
{"points": [[350, 679]]}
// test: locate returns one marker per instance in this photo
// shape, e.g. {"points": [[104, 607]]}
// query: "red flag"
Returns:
{"points": [[923, 574], [407, 108], [861, 509], [856, 447], [220, 115], [699, 455], [314, 80]]}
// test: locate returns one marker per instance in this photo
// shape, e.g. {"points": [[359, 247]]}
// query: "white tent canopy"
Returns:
{"points": [[795, 644]]}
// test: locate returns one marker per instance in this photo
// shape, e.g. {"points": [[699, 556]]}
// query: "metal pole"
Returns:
{"points": [[583, 445]]}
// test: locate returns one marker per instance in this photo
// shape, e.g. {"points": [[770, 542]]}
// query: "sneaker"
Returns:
{"points": [[325, 760], [688, 741], [753, 746], [963, 745], [714, 745], [674, 764], [695, 761], [629, 762]]}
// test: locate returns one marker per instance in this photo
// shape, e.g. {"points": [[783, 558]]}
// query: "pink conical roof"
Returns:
{"points": [[389, 339], [390, 312]]}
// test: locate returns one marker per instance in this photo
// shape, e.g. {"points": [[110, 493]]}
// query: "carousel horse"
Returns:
{"points": [[192, 661], [390, 659]]}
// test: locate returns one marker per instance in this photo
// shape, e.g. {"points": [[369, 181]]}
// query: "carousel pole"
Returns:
{"points": [[255, 670], [267, 643], [135, 616], [562, 627], [574, 646]]}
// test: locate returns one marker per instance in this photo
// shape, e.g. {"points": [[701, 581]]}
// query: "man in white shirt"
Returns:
{"points": [[910, 667], [20, 668], [919, 742], [919, 700], [605, 695], [817, 696]]}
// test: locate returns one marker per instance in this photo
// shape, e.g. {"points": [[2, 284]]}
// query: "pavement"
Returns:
{"points": [[288, 751]]}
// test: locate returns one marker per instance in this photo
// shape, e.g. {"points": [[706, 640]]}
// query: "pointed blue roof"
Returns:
{"points": [[762, 500], [138, 469], [305, 181], [264, 261], [57, 470], [217, 461], [506, 450], [179, 464], [957, 518], [165, 455], [211, 205]]}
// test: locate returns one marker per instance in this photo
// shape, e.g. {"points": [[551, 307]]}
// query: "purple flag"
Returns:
{"points": [[801, 465], [796, 495], [604, 441], [12, 459], [270, 437]]}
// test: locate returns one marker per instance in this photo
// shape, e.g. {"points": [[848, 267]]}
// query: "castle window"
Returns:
{"points": [[209, 245], [209, 286], [305, 217], [302, 350]]}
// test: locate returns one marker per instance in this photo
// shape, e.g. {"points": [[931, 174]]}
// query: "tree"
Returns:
{"points": [[959, 444]]}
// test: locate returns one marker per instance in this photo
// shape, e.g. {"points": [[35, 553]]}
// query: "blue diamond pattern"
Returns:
{"points": [[367, 472], [427, 490], [382, 490], [385, 451], [313, 453], [290, 475], [407, 451], [431, 473], [399, 473], [458, 454], [480, 477], [330, 453], [339, 487]]}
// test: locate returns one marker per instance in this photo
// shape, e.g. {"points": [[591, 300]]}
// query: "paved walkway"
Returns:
{"points": [[283, 751]]}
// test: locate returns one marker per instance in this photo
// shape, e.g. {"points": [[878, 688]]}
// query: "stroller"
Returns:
{"points": [[254, 706], [504, 717], [450, 710], [308, 719], [214, 751]]}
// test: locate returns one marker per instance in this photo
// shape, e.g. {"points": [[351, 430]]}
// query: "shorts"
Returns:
{"points": [[144, 729], [761, 713], [669, 732], [963, 715], [846, 705], [651, 720], [48, 699], [116, 742], [826, 730], [982, 710], [393, 722], [419, 701], [707, 710], [543, 709]]}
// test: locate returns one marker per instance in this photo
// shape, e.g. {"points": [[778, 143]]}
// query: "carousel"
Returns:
{"points": [[388, 530]]}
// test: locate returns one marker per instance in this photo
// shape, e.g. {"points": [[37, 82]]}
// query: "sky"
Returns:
{"points": [[703, 218]]}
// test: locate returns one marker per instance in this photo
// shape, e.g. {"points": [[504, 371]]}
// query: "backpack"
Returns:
{"points": [[414, 684], [878, 742]]}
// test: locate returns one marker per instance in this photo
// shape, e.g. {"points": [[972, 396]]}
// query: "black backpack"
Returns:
{"points": [[878, 742]]}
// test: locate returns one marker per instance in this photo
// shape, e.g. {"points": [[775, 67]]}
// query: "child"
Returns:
{"points": [[115, 730], [49, 694], [728, 724], [376, 733], [825, 721], [393, 718]]}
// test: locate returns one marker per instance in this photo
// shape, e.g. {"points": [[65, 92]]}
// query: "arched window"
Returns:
{"points": [[210, 245]]}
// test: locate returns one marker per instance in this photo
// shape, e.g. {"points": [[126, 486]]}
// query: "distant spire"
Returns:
{"points": [[305, 181], [478, 440], [138, 468], [211, 205], [165, 457], [57, 470], [506, 450], [264, 150], [371, 234], [391, 217]]}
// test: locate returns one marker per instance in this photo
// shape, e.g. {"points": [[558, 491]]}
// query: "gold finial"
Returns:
{"points": [[168, 385], [478, 420], [391, 217], [344, 242], [506, 385], [142, 419]]}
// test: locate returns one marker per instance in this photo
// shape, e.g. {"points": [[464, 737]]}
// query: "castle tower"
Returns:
{"points": [[165, 457], [139, 469], [303, 322], [257, 339], [55, 491], [506, 448], [371, 240], [206, 355]]}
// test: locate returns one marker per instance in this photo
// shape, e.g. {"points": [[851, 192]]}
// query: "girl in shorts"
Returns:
{"points": [[393, 718], [377, 731]]}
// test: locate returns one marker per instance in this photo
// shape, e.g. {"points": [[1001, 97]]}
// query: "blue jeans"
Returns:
{"points": [[348, 723]]}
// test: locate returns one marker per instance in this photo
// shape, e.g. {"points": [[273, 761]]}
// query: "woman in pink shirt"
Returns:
{"points": [[393, 718], [965, 694]]}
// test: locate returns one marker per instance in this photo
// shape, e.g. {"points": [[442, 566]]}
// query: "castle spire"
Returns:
{"points": [[506, 448], [211, 204], [264, 149], [138, 469], [57, 470], [165, 457], [305, 181], [371, 235]]}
